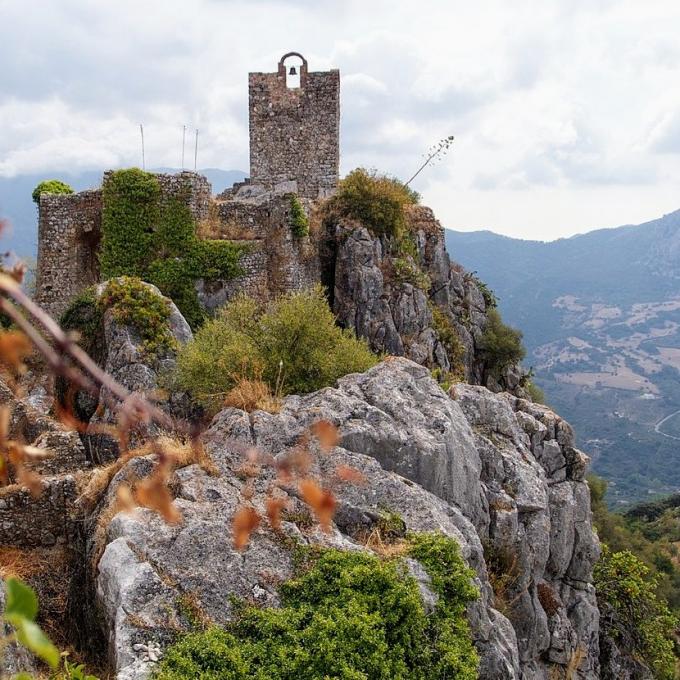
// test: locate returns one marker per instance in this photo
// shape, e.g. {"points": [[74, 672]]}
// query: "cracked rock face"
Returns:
{"points": [[395, 315], [496, 473]]}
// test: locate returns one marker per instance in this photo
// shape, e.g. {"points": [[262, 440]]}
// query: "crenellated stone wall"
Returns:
{"points": [[295, 131]]}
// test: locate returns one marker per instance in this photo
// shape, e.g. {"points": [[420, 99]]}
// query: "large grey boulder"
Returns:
{"points": [[540, 527], [467, 467]]}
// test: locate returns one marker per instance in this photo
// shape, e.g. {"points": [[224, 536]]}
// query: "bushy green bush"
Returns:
{"points": [[292, 344], [155, 240], [633, 614], [50, 186], [299, 223], [351, 616], [375, 200], [134, 304], [500, 345]]}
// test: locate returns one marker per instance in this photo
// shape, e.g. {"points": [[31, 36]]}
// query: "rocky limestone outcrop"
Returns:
{"points": [[498, 474], [128, 363], [389, 297]]}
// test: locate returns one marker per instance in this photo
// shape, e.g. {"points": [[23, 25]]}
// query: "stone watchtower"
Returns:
{"points": [[295, 127]]}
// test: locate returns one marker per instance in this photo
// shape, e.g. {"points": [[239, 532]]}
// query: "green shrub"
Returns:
{"points": [[634, 615], [50, 186], [292, 344], [405, 270], [377, 201], [652, 540], [134, 304], [155, 240], [500, 345], [351, 615], [299, 223]]}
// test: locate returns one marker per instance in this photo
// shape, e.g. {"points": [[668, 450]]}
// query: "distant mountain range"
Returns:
{"points": [[601, 319], [17, 206]]}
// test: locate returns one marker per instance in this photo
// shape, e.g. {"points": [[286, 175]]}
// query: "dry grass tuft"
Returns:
{"points": [[503, 572], [181, 454], [577, 657], [385, 548], [252, 395], [48, 572]]}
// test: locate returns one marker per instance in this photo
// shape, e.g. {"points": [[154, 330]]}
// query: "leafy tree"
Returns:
{"points": [[632, 613]]}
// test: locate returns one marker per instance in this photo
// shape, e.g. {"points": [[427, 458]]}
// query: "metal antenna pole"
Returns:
{"points": [[196, 151], [184, 134], [141, 129]]}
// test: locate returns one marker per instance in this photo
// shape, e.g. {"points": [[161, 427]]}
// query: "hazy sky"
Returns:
{"points": [[566, 112]]}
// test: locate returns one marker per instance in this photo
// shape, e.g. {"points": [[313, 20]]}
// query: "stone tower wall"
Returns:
{"points": [[69, 230], [295, 132]]}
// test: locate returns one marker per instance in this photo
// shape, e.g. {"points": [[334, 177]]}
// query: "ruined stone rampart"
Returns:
{"points": [[44, 520]]}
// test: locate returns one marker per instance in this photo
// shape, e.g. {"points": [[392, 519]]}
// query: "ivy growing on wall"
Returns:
{"points": [[154, 238]]}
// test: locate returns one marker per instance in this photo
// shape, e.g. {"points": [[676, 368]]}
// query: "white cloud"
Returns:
{"points": [[565, 113]]}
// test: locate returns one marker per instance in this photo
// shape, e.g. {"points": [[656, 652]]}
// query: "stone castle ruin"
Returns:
{"points": [[294, 150]]}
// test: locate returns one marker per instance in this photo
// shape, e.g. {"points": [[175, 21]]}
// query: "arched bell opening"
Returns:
{"points": [[293, 68]]}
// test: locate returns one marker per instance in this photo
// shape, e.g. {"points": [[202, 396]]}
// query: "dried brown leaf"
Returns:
{"points": [[346, 473], [274, 507], [320, 500], [126, 501], [327, 434], [153, 493], [5, 416], [245, 521], [14, 348], [30, 480], [296, 463]]}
